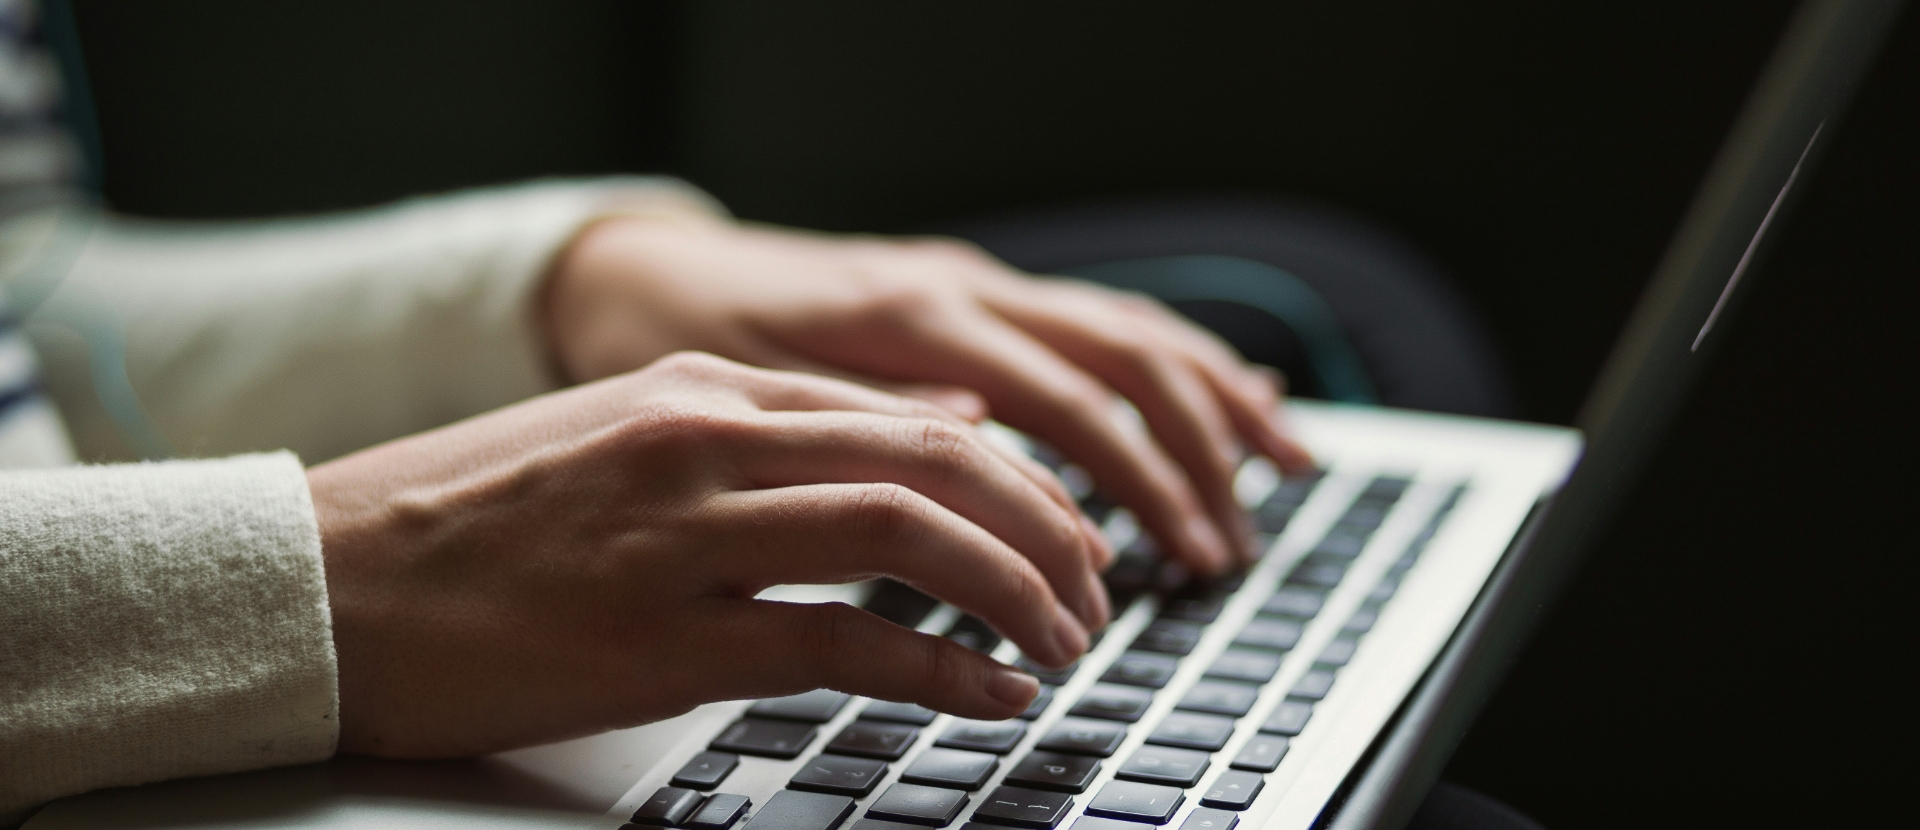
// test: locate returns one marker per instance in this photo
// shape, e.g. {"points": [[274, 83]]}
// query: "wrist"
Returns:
{"points": [[593, 304]]}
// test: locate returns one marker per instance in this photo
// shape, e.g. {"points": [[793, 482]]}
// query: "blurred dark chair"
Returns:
{"points": [[1347, 310]]}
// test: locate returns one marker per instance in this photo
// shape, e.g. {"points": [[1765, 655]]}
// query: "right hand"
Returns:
{"points": [[589, 559]]}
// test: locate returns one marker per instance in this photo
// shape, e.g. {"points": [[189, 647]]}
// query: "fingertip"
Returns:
{"points": [[1212, 556], [1012, 688], [1070, 636], [1096, 543]]}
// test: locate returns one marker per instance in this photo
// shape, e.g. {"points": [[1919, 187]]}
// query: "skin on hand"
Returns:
{"points": [[942, 321], [588, 560]]}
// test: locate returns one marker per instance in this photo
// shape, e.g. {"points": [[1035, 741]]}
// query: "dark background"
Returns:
{"points": [[1729, 655]]}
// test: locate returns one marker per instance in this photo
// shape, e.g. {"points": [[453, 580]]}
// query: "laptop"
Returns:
{"points": [[1324, 687]]}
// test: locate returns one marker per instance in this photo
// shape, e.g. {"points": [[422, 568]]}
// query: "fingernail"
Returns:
{"points": [[1207, 539], [1069, 635], [1102, 553], [1012, 687]]}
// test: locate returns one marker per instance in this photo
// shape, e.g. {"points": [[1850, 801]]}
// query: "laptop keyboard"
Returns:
{"points": [[1099, 743]]}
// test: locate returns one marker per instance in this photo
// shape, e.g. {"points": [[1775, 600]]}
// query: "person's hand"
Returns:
{"points": [[588, 560], [1053, 357]]}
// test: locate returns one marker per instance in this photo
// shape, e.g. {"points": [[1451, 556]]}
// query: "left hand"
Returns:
{"points": [[942, 320]]}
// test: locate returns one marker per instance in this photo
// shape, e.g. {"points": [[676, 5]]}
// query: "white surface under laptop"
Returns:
{"points": [[580, 783]]}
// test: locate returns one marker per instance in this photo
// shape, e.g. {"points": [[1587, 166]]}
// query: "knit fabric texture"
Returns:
{"points": [[160, 620]]}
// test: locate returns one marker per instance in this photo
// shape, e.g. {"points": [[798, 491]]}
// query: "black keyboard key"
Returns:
{"points": [[1176, 637], [1246, 665], [1313, 685], [1386, 488], [1234, 790], [1021, 807], [1220, 698], [1109, 702], [1077, 736], [1130, 801], [954, 768], [1261, 754], [1342, 544], [877, 824], [1206, 818], [839, 775], [1362, 620], [1050, 677], [817, 706], [1040, 703], [973, 633], [1098, 823], [706, 770], [794, 810], [997, 737], [1317, 574], [1200, 607], [719, 812], [1384, 591], [1164, 765], [771, 738], [1054, 771], [1338, 652], [899, 604], [1141, 668], [888, 710], [874, 739], [1192, 731], [1272, 517], [1288, 718], [667, 807], [918, 804], [1294, 602], [1270, 633]]}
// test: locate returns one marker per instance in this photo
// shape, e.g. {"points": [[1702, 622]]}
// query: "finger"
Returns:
{"points": [[834, 533], [1034, 388], [772, 389], [959, 400], [786, 648], [1250, 394], [1181, 407], [947, 463]]}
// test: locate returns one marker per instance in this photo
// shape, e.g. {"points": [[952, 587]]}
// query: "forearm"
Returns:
{"points": [[327, 334], [159, 620]]}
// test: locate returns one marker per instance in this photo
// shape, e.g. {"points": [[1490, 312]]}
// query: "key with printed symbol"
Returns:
{"points": [[706, 770], [719, 812], [839, 775], [667, 807], [873, 739], [1130, 801], [1021, 807], [919, 804], [954, 768], [1234, 790], [771, 738], [1042, 770], [1207, 818], [1164, 765], [1288, 718], [795, 810], [1192, 731], [997, 737], [1079, 736], [1262, 753]]}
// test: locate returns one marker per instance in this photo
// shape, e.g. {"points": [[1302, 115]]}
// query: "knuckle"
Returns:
{"points": [[943, 445], [888, 514]]}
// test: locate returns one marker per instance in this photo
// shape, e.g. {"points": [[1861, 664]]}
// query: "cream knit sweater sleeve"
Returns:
{"points": [[324, 335], [168, 619], [159, 620]]}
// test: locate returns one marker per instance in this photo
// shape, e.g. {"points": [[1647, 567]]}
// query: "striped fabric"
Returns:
{"points": [[38, 161]]}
